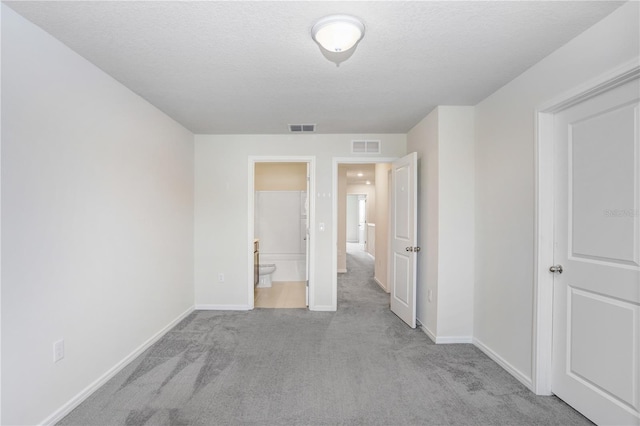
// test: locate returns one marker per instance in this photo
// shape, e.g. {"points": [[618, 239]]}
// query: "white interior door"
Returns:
{"points": [[402, 259], [362, 220], [596, 308]]}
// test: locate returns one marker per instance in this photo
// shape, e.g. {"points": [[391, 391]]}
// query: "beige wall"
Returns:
{"points": [[382, 228], [281, 177]]}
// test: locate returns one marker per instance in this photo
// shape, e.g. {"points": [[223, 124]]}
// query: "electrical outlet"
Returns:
{"points": [[58, 350], [221, 277]]}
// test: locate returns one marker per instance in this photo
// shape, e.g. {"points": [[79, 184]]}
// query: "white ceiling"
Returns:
{"points": [[251, 66]]}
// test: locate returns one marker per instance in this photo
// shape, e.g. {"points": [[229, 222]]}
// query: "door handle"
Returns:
{"points": [[409, 248], [413, 249], [556, 269]]}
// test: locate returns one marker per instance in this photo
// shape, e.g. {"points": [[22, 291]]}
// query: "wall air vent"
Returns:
{"points": [[302, 128], [365, 147]]}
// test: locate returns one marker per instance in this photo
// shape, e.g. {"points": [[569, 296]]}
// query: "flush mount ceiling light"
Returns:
{"points": [[337, 35]]}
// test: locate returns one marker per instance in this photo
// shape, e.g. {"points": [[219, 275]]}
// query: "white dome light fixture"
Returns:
{"points": [[337, 33]]}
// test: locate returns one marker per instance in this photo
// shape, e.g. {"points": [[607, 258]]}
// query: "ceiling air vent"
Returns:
{"points": [[302, 128], [365, 147]]}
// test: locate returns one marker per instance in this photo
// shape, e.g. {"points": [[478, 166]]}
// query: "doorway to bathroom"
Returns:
{"points": [[280, 231]]}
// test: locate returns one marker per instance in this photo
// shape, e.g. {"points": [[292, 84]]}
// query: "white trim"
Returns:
{"points": [[342, 271], [61, 412], [616, 77], [323, 308], [311, 190], [334, 210], [522, 378], [448, 340], [430, 334], [443, 340], [544, 214], [380, 284], [223, 307]]}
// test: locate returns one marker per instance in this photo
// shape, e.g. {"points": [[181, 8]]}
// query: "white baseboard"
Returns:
{"points": [[521, 377], [444, 340], [322, 308], [380, 284], [430, 334], [447, 340], [342, 271], [223, 308], [86, 392]]}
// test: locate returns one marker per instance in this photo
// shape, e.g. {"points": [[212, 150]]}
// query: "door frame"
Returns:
{"points": [[311, 214], [544, 213], [334, 215]]}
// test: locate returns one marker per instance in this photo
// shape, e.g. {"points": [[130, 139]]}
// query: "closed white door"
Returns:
{"points": [[402, 264], [596, 308]]}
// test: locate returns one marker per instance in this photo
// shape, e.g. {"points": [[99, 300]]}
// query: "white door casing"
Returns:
{"points": [[403, 241], [307, 236], [310, 207], [596, 298]]}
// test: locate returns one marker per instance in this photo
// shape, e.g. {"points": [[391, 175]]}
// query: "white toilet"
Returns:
{"points": [[264, 272]]}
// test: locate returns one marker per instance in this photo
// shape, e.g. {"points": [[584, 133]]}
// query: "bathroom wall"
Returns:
{"points": [[280, 177], [280, 221]]}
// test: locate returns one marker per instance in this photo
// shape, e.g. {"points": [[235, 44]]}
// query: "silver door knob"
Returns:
{"points": [[556, 269], [409, 248]]}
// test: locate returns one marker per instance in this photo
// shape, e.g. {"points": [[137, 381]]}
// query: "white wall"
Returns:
{"points": [[423, 139], [505, 195], [97, 217], [456, 197], [342, 219], [221, 203], [444, 141]]}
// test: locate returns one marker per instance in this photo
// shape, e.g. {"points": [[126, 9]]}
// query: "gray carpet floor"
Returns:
{"points": [[360, 365]]}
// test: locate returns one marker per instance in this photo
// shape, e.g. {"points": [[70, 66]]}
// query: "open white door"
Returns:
{"points": [[403, 232], [596, 301]]}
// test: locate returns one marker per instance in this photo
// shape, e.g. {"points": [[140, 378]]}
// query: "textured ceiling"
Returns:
{"points": [[251, 67]]}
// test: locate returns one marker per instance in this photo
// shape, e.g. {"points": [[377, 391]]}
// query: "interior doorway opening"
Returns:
{"points": [[362, 216], [280, 217]]}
